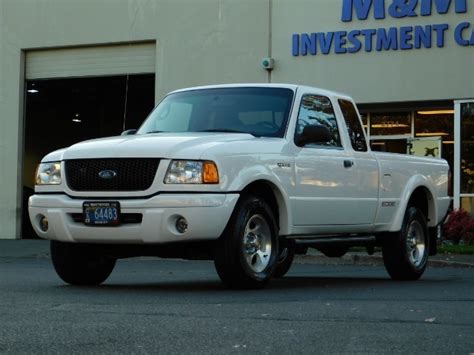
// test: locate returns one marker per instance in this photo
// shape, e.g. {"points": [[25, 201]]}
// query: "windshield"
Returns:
{"points": [[257, 111]]}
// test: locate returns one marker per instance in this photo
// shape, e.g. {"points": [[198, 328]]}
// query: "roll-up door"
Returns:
{"points": [[91, 61]]}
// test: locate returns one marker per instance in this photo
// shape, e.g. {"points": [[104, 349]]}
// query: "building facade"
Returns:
{"points": [[71, 70]]}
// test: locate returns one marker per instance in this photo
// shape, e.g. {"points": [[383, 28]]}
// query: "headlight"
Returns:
{"points": [[192, 172], [48, 174]]}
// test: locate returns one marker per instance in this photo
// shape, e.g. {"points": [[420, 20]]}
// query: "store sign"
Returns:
{"points": [[392, 38]]}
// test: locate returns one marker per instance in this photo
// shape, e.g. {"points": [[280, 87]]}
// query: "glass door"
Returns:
{"points": [[464, 155]]}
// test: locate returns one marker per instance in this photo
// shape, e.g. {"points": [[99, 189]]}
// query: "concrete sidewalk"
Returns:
{"points": [[28, 248]]}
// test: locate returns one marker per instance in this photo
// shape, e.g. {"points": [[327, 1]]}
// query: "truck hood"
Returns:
{"points": [[158, 145]]}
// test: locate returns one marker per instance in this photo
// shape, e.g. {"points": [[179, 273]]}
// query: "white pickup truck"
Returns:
{"points": [[246, 175]]}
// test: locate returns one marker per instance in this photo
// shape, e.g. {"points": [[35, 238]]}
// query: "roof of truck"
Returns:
{"points": [[265, 85]]}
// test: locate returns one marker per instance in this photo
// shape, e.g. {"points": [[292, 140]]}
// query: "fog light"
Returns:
{"points": [[181, 225], [43, 223]]}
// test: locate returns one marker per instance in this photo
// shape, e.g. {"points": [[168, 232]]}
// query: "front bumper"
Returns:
{"points": [[207, 216]]}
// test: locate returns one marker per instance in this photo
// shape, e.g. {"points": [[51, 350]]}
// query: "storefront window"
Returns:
{"points": [[389, 145], [467, 148], [390, 124], [365, 122], [437, 124], [467, 203]]}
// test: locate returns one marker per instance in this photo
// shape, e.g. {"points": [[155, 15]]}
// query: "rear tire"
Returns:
{"points": [[80, 264], [247, 251], [405, 253]]}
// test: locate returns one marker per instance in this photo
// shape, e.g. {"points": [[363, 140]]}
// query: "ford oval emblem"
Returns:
{"points": [[107, 174]]}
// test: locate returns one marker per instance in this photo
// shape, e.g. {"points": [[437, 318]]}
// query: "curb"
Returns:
{"points": [[313, 259], [370, 260]]}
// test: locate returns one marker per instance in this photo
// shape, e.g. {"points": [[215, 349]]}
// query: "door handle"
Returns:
{"points": [[348, 164]]}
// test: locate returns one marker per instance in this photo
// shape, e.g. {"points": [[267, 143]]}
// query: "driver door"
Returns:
{"points": [[327, 190]]}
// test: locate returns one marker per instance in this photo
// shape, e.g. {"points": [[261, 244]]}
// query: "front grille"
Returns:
{"points": [[129, 174]]}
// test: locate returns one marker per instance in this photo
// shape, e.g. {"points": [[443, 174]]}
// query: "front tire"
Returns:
{"points": [[405, 253], [247, 251], [80, 264], [285, 259]]}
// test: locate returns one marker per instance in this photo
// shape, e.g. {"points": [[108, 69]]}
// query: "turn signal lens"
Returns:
{"points": [[210, 176]]}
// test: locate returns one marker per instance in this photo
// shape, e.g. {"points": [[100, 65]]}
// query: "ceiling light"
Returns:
{"points": [[77, 120], [33, 91], [429, 134], [436, 112], [390, 125]]}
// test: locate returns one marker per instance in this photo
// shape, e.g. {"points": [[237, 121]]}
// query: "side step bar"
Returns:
{"points": [[342, 241]]}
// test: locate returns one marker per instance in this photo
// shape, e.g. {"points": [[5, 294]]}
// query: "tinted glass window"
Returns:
{"points": [[354, 128], [258, 111], [390, 124], [318, 110]]}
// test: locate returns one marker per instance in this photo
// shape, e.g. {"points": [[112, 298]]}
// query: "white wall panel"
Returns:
{"points": [[91, 61]]}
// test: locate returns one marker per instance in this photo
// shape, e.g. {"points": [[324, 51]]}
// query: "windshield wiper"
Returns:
{"points": [[225, 130], [155, 132]]}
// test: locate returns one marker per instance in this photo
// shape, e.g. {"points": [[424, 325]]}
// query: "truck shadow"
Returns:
{"points": [[290, 283]]}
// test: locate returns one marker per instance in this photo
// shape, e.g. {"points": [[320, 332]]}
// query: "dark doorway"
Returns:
{"points": [[61, 112]]}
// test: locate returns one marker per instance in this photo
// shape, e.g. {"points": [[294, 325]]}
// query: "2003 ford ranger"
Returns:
{"points": [[245, 175]]}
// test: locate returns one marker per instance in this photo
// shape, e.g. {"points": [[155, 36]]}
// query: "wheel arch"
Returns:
{"points": [[273, 195], [418, 193]]}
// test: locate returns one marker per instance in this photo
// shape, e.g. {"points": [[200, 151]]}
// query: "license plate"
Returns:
{"points": [[101, 213]]}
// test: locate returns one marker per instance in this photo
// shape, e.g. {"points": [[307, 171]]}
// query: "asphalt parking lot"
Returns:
{"points": [[169, 306]]}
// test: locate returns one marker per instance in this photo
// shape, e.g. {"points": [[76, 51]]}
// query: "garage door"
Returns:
{"points": [[91, 61]]}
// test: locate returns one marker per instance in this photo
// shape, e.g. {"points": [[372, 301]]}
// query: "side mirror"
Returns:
{"points": [[316, 134], [129, 132]]}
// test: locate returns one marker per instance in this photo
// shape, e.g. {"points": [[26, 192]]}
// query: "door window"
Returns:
{"points": [[318, 110]]}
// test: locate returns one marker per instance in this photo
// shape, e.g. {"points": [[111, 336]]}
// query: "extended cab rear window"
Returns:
{"points": [[354, 127]]}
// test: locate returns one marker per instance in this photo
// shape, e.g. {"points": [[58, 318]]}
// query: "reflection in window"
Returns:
{"points": [[258, 111], [354, 128], [182, 111], [318, 110], [467, 148], [389, 124], [262, 118]]}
